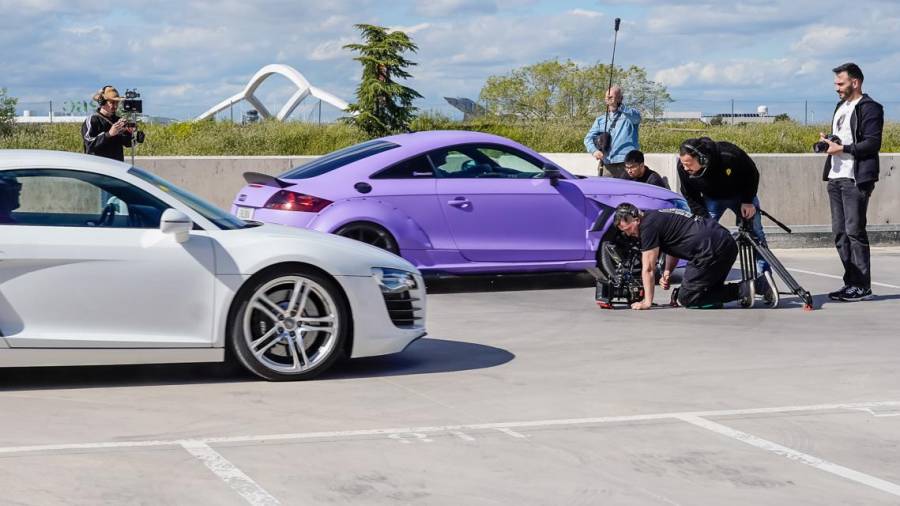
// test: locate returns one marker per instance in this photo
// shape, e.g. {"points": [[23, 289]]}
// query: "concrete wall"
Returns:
{"points": [[790, 188]]}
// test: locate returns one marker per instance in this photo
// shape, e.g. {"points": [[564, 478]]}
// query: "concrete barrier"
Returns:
{"points": [[791, 186]]}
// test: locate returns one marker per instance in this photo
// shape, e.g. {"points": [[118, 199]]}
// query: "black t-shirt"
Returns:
{"points": [[680, 234], [651, 177]]}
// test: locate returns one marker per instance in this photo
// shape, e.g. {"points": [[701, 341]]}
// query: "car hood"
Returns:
{"points": [[612, 191], [247, 250]]}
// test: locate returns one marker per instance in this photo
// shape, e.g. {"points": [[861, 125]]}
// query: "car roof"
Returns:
{"points": [[28, 158], [425, 141]]}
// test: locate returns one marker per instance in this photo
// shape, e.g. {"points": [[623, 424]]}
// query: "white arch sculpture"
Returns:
{"points": [[304, 89]]}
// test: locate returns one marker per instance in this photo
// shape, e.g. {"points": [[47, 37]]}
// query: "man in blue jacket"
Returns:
{"points": [[622, 131], [851, 170]]}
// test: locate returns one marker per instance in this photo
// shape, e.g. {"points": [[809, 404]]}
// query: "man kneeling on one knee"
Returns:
{"points": [[707, 246]]}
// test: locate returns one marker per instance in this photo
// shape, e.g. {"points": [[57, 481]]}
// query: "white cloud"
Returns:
{"points": [[331, 49], [821, 39], [586, 13], [442, 8], [742, 73], [410, 30]]}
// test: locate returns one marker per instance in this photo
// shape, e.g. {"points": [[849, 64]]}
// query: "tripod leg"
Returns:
{"points": [[783, 273]]}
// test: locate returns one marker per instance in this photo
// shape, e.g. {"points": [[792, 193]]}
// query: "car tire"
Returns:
{"points": [[290, 324], [371, 234]]}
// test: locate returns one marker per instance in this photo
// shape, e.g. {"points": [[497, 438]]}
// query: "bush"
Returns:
{"points": [[292, 138]]}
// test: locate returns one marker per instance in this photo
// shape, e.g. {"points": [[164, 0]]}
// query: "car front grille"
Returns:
{"points": [[404, 309]]}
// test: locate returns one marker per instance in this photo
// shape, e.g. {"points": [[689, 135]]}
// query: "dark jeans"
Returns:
{"points": [[616, 170], [848, 224], [703, 283]]}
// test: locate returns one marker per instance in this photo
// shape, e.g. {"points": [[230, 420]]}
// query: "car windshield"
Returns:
{"points": [[338, 159], [212, 213]]}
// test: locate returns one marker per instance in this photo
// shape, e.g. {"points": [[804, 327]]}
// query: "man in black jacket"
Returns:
{"points": [[716, 176], [851, 170], [636, 170], [105, 134]]}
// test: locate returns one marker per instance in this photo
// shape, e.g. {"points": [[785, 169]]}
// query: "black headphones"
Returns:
{"points": [[701, 157], [99, 96]]}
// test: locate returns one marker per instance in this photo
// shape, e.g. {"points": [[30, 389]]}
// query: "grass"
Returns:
{"points": [[293, 138]]}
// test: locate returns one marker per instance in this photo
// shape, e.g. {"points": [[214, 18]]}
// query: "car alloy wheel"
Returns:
{"points": [[370, 234], [291, 326]]}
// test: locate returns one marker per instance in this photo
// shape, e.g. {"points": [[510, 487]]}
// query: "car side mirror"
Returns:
{"points": [[553, 174], [177, 223]]}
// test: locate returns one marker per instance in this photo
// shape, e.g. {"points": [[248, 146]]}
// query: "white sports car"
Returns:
{"points": [[104, 263]]}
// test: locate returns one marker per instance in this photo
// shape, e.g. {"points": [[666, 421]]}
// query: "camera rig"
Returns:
{"points": [[749, 246], [132, 106], [618, 274]]}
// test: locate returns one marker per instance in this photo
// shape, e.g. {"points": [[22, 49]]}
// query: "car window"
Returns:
{"points": [[67, 198], [480, 161], [338, 159], [414, 168]]}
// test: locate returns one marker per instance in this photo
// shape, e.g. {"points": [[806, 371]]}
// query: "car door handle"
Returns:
{"points": [[459, 202]]}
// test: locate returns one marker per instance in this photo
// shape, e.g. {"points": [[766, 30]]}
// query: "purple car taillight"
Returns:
{"points": [[286, 200]]}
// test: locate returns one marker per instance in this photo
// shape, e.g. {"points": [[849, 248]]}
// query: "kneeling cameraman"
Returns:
{"points": [[707, 246]]}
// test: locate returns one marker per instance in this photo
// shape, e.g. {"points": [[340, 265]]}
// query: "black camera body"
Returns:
{"points": [[619, 273], [822, 146], [132, 102]]}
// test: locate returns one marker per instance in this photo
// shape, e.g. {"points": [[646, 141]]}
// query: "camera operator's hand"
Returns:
{"points": [[834, 148], [598, 155], [748, 211], [117, 128], [664, 280], [642, 305]]}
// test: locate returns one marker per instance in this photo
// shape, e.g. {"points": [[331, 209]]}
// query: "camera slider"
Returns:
{"points": [[749, 247]]}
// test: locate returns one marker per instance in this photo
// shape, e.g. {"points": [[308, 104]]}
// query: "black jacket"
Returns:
{"points": [[97, 141], [730, 174], [866, 124]]}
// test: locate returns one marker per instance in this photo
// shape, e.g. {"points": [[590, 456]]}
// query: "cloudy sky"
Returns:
{"points": [[185, 56]]}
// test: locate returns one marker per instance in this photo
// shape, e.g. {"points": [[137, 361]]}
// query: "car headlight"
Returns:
{"points": [[394, 280], [680, 204]]}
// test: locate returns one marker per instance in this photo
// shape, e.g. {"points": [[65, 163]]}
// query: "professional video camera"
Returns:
{"points": [[618, 273], [822, 146], [132, 106]]}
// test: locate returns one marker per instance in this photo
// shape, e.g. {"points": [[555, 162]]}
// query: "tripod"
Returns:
{"points": [[749, 246]]}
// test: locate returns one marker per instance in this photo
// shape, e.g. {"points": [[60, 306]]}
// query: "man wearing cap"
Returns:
{"points": [[104, 133]]}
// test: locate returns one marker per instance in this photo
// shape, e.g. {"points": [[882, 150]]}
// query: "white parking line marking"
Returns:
{"points": [[449, 428], [409, 437], [512, 433], [832, 276], [877, 414], [824, 465], [462, 435], [234, 477]]}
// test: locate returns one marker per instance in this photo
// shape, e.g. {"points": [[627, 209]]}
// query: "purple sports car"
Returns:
{"points": [[451, 201]]}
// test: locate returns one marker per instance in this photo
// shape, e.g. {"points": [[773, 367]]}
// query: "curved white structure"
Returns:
{"points": [[304, 89]]}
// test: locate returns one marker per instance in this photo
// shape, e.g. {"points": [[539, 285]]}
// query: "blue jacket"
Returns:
{"points": [[623, 129]]}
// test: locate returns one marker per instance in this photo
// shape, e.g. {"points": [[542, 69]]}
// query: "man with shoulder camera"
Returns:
{"points": [[104, 133], [707, 246], [613, 135], [717, 176], [851, 170]]}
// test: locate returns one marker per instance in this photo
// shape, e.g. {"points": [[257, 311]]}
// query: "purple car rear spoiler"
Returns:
{"points": [[265, 180]]}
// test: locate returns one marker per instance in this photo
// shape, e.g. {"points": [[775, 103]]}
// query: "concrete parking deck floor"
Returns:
{"points": [[518, 396]]}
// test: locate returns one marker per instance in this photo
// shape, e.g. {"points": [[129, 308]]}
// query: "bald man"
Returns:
{"points": [[623, 135]]}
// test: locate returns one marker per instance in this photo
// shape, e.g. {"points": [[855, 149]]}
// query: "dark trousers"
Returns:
{"points": [[848, 224], [616, 170], [703, 283]]}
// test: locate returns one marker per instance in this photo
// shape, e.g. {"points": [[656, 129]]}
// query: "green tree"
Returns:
{"points": [[383, 105], [555, 90], [7, 112]]}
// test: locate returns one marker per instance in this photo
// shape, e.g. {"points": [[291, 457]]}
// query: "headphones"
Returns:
{"points": [[701, 157]]}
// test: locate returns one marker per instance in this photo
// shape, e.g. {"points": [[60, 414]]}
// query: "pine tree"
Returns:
{"points": [[383, 106]]}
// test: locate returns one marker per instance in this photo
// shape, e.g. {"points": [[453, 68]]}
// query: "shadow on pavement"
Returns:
{"points": [[421, 357], [424, 356], [508, 282]]}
